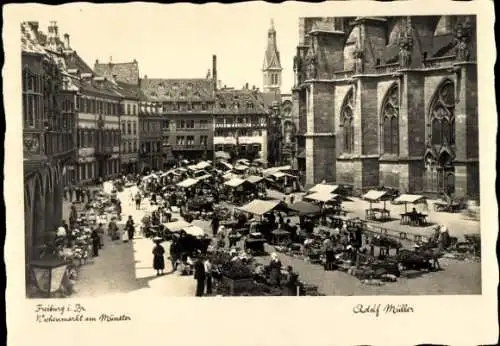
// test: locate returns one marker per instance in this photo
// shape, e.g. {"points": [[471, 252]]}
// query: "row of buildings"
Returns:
{"points": [[82, 124], [388, 101]]}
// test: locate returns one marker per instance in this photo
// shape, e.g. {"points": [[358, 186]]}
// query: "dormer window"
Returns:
{"points": [[182, 94], [161, 85], [196, 94], [222, 105], [249, 105]]}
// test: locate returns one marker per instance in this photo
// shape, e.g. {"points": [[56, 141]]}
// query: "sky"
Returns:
{"points": [[178, 41]]}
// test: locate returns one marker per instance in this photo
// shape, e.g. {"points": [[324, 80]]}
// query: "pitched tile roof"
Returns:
{"points": [[159, 90], [239, 101], [29, 40], [127, 72], [74, 61]]}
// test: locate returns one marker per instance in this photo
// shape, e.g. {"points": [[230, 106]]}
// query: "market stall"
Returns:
{"points": [[305, 208], [377, 214], [414, 217], [323, 188], [189, 182], [222, 155]]}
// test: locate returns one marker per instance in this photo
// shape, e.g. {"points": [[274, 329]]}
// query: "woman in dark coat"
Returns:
{"points": [[275, 268], [158, 259], [96, 242]]}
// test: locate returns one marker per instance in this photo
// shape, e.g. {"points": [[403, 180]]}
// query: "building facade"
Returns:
{"points": [[48, 136], [389, 101], [150, 135], [183, 111], [240, 123], [126, 79]]}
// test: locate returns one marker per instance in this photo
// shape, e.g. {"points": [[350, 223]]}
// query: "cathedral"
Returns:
{"points": [[389, 102]]}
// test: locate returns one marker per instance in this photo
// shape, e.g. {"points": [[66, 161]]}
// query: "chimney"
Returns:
{"points": [[66, 42], [110, 59], [246, 85], [145, 76], [34, 26], [97, 61], [214, 70]]}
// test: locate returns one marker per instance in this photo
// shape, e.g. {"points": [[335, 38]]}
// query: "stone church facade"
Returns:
{"points": [[389, 101]]}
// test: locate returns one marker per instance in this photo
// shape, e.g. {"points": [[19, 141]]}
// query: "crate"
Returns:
{"points": [[238, 285]]}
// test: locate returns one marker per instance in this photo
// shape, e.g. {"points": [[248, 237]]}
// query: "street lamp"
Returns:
{"points": [[48, 274]]}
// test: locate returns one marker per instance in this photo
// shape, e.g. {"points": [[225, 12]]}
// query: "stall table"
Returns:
{"points": [[371, 214], [414, 219]]}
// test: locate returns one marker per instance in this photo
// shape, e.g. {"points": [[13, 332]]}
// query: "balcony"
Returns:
{"points": [[445, 61], [343, 74], [187, 147], [389, 68], [239, 125], [104, 150]]}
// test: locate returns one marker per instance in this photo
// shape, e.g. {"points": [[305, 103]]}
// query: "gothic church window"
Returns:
{"points": [[442, 115], [390, 122], [347, 123]]}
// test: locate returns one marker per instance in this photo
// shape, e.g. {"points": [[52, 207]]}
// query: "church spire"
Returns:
{"points": [[271, 66]]}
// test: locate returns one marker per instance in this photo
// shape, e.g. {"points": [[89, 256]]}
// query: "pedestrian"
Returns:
{"points": [[208, 273], [66, 193], [199, 276], [130, 227], [100, 232], [73, 215], [175, 253], [215, 224], [292, 198], [113, 230], [158, 259], [95, 242], [138, 201], [275, 270], [87, 191]]}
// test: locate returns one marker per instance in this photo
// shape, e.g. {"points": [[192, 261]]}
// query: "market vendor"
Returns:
{"points": [[95, 242], [291, 281], [113, 230]]}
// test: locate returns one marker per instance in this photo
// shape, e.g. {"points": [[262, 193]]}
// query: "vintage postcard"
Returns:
{"points": [[251, 173]]}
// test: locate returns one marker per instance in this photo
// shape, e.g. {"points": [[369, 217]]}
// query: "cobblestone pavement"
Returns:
{"points": [[127, 269]]}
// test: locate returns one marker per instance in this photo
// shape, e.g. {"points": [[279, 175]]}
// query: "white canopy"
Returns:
{"points": [[408, 198], [234, 182], [374, 195], [241, 167], [188, 182], [226, 164], [272, 170], [177, 226], [321, 196], [203, 165], [260, 207], [203, 177], [324, 188], [254, 179], [193, 167], [194, 230]]}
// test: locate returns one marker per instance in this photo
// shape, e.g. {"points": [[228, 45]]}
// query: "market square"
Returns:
{"points": [[361, 179]]}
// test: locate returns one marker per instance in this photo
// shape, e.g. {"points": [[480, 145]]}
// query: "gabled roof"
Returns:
{"points": [[127, 72], [128, 91], [178, 90], [29, 40], [239, 101], [75, 62]]}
